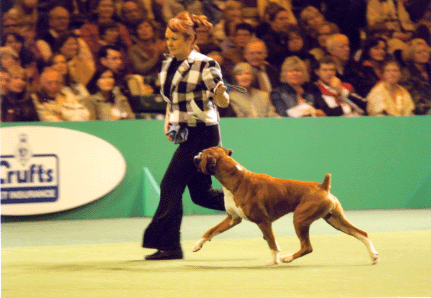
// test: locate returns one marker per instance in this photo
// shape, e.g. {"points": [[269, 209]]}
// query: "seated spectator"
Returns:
{"points": [[374, 53], [16, 104], [70, 87], [268, 76], [54, 106], [323, 32], [254, 103], [173, 7], [264, 26], [265, 6], [276, 37], [107, 103], [338, 97], [242, 35], [80, 69], [112, 58], [132, 14], [388, 97], [296, 46], [232, 13], [105, 10], [147, 55], [59, 24], [392, 16], [26, 58], [205, 41], [417, 76], [338, 47], [26, 12], [310, 21], [295, 97]]}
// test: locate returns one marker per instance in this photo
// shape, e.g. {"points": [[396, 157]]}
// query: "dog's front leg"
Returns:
{"points": [[224, 225], [268, 235]]}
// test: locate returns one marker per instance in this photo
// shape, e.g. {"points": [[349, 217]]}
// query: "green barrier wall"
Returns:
{"points": [[376, 163]]}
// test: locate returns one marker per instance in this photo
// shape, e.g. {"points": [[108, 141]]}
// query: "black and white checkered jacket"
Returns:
{"points": [[195, 79]]}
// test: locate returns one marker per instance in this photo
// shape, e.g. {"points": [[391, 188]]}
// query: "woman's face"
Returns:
{"points": [[70, 48], [106, 8], [391, 73], [421, 54], [106, 81], [294, 76], [244, 78], [178, 45], [17, 82], [145, 31], [13, 43], [378, 52], [315, 20], [59, 63]]}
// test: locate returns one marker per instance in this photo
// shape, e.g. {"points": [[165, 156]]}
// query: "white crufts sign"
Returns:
{"points": [[50, 169]]}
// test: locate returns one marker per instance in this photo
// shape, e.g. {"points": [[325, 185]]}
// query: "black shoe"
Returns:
{"points": [[165, 255]]}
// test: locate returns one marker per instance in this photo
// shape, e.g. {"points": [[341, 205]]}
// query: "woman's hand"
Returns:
{"points": [[221, 98]]}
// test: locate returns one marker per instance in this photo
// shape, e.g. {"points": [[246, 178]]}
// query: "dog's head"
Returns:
{"points": [[206, 161]]}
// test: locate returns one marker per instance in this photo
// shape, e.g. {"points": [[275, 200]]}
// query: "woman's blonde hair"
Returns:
{"points": [[186, 24], [408, 51], [293, 62]]}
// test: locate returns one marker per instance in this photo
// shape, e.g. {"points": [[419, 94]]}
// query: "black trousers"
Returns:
{"points": [[163, 233]]}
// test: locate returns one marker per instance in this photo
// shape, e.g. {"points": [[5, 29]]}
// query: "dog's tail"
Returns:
{"points": [[326, 184]]}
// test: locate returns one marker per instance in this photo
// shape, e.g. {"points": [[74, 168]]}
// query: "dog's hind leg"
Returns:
{"points": [[224, 225], [338, 220], [268, 235]]}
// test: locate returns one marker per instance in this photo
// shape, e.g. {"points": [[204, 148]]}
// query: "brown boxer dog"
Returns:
{"points": [[263, 199]]}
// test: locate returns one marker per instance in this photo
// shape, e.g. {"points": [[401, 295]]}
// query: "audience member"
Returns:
{"points": [[105, 10], [310, 21], [59, 24], [276, 37], [232, 14], [417, 76], [338, 97], [80, 69], [26, 57], [374, 53], [26, 12], [112, 58], [205, 41], [268, 76], [296, 46], [295, 97], [241, 36], [16, 104], [392, 16], [54, 106], [132, 14], [323, 33], [173, 7], [254, 103], [265, 6], [69, 87], [107, 103], [388, 97], [147, 54]]}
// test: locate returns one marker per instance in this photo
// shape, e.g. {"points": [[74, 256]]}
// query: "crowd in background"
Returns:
{"points": [[80, 60]]}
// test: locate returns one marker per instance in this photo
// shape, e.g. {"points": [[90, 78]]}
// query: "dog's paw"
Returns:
{"points": [[287, 258], [375, 258], [198, 245]]}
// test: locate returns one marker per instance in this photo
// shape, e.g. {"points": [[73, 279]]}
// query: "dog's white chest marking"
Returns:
{"points": [[239, 167], [230, 206]]}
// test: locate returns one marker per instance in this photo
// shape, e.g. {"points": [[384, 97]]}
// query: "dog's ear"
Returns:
{"points": [[229, 152], [211, 165]]}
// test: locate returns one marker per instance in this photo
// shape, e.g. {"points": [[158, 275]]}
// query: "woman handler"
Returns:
{"points": [[192, 85]]}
